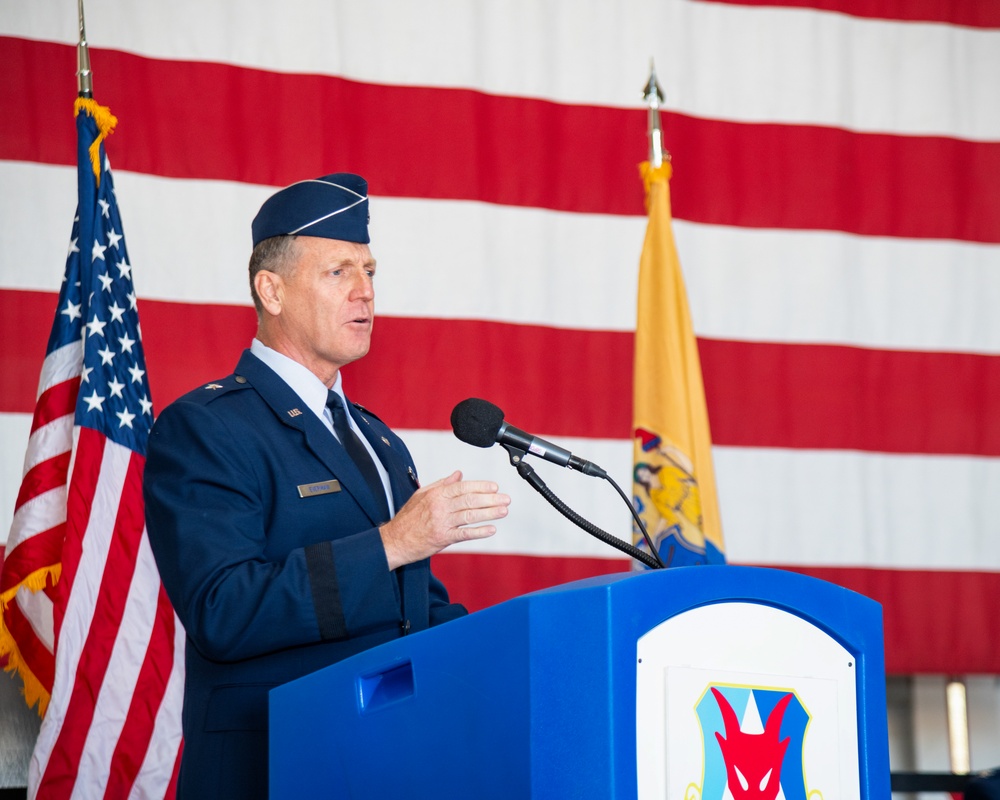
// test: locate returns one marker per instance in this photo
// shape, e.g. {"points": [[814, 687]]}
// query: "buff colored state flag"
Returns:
{"points": [[673, 479]]}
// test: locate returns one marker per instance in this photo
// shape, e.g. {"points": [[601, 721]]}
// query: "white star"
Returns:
{"points": [[136, 373], [106, 281], [116, 388], [72, 310], [72, 247], [125, 417], [116, 312], [106, 355], [85, 374], [131, 300], [124, 269], [96, 326], [105, 208], [98, 251], [113, 238], [94, 401], [126, 343], [147, 405]]}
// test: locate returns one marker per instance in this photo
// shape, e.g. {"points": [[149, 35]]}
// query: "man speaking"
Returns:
{"points": [[287, 522]]}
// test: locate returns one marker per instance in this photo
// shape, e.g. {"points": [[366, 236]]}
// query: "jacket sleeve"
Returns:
{"points": [[212, 523]]}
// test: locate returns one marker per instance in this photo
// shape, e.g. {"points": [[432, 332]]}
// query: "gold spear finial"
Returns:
{"points": [[653, 96], [84, 77]]}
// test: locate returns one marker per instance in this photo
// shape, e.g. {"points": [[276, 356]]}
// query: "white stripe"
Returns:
{"points": [[81, 603], [713, 60], [468, 260], [778, 506], [37, 515], [127, 657], [62, 364], [157, 767], [37, 610], [50, 440], [843, 508]]}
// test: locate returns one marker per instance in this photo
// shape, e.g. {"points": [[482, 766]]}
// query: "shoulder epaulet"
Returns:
{"points": [[207, 392], [364, 410]]}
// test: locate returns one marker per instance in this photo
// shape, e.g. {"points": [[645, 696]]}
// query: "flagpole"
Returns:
{"points": [[653, 96], [84, 77]]}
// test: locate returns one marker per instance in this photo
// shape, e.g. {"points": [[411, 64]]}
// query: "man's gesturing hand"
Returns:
{"points": [[436, 515]]}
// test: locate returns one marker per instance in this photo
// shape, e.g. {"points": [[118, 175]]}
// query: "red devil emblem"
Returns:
{"points": [[753, 760]]}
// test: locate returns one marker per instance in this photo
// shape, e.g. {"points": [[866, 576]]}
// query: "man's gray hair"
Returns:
{"points": [[274, 255]]}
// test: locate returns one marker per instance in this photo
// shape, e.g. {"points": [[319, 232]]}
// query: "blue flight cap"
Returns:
{"points": [[332, 207]]}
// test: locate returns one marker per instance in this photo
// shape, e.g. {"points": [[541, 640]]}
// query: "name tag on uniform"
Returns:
{"points": [[323, 487]]}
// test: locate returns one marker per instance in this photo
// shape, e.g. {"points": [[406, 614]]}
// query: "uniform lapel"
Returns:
{"points": [[402, 477], [289, 409]]}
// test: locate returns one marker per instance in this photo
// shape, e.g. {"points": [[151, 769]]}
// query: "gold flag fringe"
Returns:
{"points": [[106, 122]]}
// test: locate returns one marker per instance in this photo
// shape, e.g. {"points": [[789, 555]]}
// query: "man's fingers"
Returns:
{"points": [[479, 532], [471, 516], [457, 489]]}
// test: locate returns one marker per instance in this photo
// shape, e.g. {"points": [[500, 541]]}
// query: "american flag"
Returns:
{"points": [[835, 209], [100, 648]]}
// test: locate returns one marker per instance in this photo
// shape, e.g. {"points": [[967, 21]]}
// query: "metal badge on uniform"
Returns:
{"points": [[322, 487]]}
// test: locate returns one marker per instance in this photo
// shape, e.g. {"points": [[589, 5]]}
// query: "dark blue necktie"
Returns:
{"points": [[358, 452]]}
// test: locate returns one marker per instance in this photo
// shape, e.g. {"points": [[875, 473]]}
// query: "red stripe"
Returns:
{"points": [[95, 654], [724, 171], [922, 633], [972, 13], [55, 402], [80, 496], [850, 398], [138, 730], [34, 653], [172, 787], [44, 549], [759, 394], [44, 476], [478, 581], [935, 622]]}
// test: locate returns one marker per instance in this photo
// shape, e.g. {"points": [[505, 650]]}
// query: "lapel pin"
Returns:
{"points": [[294, 412]]}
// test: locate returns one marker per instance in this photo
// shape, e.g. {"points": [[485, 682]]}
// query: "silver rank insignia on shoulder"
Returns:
{"points": [[214, 386], [387, 443], [413, 475], [294, 412]]}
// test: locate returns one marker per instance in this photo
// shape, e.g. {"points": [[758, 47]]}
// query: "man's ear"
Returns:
{"points": [[269, 288]]}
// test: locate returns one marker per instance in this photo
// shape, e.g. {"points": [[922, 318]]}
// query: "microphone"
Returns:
{"points": [[481, 424]]}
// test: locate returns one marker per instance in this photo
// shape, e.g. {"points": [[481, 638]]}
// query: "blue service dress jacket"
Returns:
{"points": [[265, 534]]}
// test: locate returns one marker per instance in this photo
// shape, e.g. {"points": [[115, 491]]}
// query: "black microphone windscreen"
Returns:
{"points": [[477, 422]]}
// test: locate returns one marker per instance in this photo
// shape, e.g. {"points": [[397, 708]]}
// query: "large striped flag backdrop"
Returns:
{"points": [[835, 209], [85, 621]]}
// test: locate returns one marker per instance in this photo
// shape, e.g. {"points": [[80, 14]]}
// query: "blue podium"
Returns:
{"points": [[665, 684]]}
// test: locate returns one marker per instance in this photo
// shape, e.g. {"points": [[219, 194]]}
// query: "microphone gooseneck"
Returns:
{"points": [[481, 424]]}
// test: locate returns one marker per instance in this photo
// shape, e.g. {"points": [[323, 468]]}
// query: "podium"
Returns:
{"points": [[661, 684]]}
